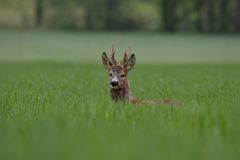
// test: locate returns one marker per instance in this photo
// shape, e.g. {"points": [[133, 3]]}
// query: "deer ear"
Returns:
{"points": [[106, 61], [130, 62]]}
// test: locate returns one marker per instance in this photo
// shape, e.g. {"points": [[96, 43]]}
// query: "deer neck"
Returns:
{"points": [[122, 94]]}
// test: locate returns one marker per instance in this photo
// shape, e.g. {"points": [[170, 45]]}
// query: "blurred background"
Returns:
{"points": [[159, 31], [212, 16]]}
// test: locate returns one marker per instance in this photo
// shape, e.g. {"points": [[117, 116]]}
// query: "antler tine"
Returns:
{"points": [[113, 56], [113, 49], [126, 56], [129, 52], [129, 49]]}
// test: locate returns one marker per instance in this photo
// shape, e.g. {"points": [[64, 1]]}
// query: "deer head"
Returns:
{"points": [[119, 85], [118, 72]]}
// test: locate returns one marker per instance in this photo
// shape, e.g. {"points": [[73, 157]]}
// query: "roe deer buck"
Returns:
{"points": [[119, 84]]}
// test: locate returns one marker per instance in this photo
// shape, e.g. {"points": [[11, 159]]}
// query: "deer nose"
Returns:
{"points": [[114, 83]]}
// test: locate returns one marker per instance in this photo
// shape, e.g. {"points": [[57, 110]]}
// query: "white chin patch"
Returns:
{"points": [[114, 87]]}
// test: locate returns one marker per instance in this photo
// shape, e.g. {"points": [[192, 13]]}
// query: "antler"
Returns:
{"points": [[113, 56], [126, 56]]}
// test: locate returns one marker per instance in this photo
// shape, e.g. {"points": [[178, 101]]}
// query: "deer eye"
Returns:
{"points": [[110, 74], [122, 75]]}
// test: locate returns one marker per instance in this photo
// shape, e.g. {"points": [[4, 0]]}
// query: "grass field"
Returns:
{"points": [[54, 101]]}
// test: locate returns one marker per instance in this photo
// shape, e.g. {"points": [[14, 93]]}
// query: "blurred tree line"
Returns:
{"points": [[164, 15]]}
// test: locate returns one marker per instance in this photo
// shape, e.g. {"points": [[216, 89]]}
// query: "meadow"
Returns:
{"points": [[54, 100]]}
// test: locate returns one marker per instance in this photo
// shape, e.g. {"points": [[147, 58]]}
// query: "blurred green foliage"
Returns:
{"points": [[163, 15], [84, 47]]}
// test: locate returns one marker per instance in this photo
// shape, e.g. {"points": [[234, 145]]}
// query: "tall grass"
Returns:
{"points": [[63, 111], [57, 107]]}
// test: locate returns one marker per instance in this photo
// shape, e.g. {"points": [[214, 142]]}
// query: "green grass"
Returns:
{"points": [[58, 107], [87, 47]]}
